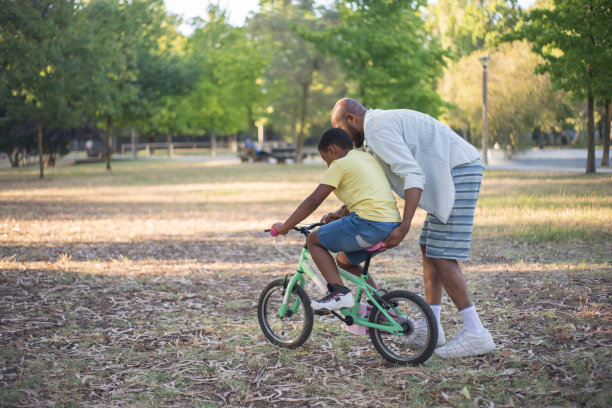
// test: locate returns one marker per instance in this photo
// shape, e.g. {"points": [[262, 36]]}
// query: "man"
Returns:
{"points": [[433, 168]]}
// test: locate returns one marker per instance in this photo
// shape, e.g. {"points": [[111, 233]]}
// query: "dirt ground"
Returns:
{"points": [[143, 293]]}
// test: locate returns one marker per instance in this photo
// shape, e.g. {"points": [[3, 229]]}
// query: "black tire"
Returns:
{"points": [[292, 330], [403, 349]]}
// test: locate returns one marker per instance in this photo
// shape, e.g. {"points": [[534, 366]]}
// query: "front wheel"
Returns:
{"points": [[293, 329], [418, 340]]}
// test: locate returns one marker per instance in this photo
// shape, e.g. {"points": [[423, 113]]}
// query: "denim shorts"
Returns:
{"points": [[352, 234]]}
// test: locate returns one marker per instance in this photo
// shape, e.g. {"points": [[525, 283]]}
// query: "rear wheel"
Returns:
{"points": [[291, 330], [418, 340]]}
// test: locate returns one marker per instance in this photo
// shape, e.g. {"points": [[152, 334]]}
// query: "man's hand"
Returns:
{"points": [[396, 236]]}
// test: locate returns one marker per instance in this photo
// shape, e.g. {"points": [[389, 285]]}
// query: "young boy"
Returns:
{"points": [[367, 217]]}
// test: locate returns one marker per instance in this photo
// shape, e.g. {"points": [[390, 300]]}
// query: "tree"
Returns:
{"points": [[385, 51], [519, 101], [605, 157], [301, 82], [139, 66], [215, 103], [574, 39], [464, 26], [47, 60]]}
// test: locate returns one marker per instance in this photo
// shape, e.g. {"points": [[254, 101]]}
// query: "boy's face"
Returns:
{"points": [[333, 152]]}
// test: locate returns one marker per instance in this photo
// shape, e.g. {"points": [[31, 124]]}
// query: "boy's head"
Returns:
{"points": [[334, 144]]}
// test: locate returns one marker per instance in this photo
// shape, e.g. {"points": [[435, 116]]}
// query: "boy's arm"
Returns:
{"points": [[307, 207]]}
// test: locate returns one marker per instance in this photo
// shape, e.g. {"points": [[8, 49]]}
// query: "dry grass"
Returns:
{"points": [[139, 287]]}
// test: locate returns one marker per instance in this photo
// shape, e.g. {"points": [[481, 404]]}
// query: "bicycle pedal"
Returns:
{"points": [[322, 312]]}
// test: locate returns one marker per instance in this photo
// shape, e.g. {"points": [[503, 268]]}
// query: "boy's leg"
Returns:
{"points": [[323, 260], [356, 270], [339, 296]]}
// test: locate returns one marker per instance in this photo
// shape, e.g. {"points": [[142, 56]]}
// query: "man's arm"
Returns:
{"points": [[411, 201], [387, 142], [307, 207]]}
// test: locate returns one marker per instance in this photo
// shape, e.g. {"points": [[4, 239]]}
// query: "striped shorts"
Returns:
{"points": [[452, 240]]}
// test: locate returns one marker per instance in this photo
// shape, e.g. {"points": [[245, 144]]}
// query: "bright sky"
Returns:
{"points": [[237, 10]]}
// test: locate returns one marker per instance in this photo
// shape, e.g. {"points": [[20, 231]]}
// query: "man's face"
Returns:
{"points": [[354, 132]]}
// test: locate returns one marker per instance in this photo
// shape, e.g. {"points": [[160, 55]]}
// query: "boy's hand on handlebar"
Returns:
{"points": [[279, 228]]}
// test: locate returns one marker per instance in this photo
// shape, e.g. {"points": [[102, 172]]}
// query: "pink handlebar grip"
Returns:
{"points": [[273, 231]]}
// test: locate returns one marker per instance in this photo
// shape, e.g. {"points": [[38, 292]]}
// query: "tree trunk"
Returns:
{"points": [[170, 146], [251, 123], [109, 142], [294, 128], [605, 157], [213, 144], [134, 141], [14, 157], [590, 166], [234, 142], [580, 126], [41, 162], [300, 140]]}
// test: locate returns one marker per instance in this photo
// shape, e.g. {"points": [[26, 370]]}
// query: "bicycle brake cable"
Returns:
{"points": [[278, 248]]}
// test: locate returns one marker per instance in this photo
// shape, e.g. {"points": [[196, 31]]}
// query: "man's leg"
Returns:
{"points": [[473, 338], [433, 286], [445, 273], [433, 293]]}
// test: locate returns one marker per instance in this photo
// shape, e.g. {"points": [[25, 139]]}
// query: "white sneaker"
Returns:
{"points": [[420, 335], [467, 344], [337, 298]]}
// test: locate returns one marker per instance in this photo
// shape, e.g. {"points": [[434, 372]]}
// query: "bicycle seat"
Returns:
{"points": [[376, 247]]}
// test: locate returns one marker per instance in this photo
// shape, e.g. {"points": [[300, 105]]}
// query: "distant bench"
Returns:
{"points": [[281, 154]]}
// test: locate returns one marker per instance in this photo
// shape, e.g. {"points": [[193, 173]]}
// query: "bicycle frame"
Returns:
{"points": [[305, 266]]}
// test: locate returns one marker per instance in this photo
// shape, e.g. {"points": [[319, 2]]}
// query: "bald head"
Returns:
{"points": [[348, 114]]}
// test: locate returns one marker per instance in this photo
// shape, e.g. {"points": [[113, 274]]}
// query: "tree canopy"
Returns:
{"points": [[123, 66]]}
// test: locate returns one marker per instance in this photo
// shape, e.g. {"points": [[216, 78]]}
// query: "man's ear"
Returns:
{"points": [[350, 118]]}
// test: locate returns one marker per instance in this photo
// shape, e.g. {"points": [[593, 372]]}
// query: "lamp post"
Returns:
{"points": [[485, 110]]}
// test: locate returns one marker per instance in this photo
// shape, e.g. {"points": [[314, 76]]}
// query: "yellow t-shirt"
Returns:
{"points": [[361, 184]]}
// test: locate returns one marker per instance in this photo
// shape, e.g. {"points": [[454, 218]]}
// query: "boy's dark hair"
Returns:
{"points": [[335, 136]]}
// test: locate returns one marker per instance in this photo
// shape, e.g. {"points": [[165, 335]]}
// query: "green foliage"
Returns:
{"points": [[140, 66], [464, 26], [46, 61], [301, 83], [574, 39], [518, 100], [227, 85], [385, 52]]}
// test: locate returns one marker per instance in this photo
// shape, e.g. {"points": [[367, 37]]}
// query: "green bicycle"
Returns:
{"points": [[400, 323]]}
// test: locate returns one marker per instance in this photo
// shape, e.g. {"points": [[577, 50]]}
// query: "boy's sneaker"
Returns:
{"points": [[467, 344], [338, 297], [419, 337]]}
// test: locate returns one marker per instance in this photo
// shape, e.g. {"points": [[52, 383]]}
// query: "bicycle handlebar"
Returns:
{"points": [[305, 230]]}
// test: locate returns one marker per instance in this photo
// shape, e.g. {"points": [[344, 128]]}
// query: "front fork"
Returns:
{"points": [[288, 285]]}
